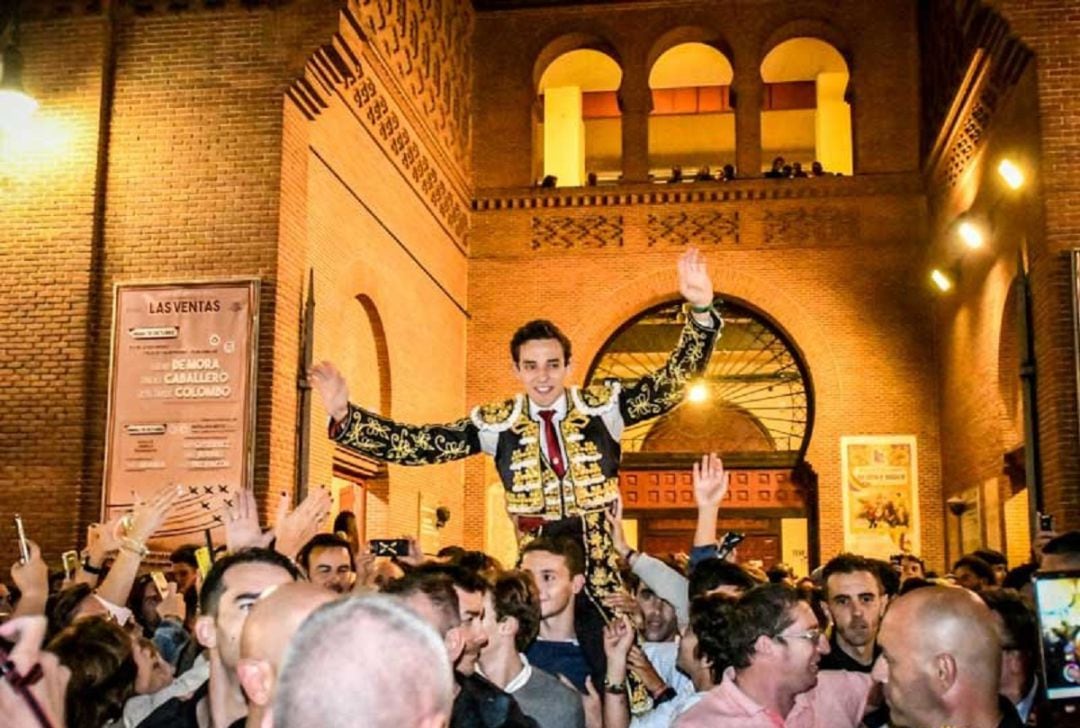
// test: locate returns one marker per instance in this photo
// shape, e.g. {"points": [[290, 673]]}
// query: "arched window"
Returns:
{"points": [[692, 124], [579, 125], [755, 400], [805, 117]]}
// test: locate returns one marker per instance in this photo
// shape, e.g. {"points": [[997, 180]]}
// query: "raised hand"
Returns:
{"points": [[49, 690], [641, 666], [695, 285], [242, 529], [32, 578], [332, 389], [147, 516], [618, 537], [710, 481], [618, 639], [294, 529], [171, 604]]}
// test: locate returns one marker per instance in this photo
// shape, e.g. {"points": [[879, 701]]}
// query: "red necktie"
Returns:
{"points": [[554, 453]]}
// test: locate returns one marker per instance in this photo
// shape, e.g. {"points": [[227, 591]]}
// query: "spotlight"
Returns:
{"points": [[16, 106], [698, 393], [971, 235], [1011, 174], [941, 280]]}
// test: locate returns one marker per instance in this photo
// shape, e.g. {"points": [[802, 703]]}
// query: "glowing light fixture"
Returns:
{"points": [[16, 106], [698, 393], [970, 234], [1011, 174], [943, 282]]}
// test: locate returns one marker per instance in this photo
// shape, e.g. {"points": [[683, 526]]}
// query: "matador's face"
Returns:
{"points": [[542, 369]]}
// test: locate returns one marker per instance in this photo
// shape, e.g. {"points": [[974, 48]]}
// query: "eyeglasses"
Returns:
{"points": [[811, 635]]}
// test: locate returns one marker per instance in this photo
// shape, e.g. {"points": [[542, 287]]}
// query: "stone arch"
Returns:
{"points": [[567, 42], [688, 34], [817, 28]]}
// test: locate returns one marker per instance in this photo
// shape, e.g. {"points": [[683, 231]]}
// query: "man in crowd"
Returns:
{"points": [[1019, 649], [854, 596], [557, 566], [511, 622], [911, 567], [269, 626], [998, 563], [230, 589], [772, 645], [556, 448], [1062, 552], [430, 593], [364, 662], [940, 661], [973, 573], [327, 559], [185, 568]]}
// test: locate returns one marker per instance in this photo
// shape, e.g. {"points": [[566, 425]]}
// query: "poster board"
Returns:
{"points": [[181, 401], [881, 494]]}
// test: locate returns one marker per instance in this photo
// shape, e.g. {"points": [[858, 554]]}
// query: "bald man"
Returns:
{"points": [[364, 661], [270, 624], [941, 661]]}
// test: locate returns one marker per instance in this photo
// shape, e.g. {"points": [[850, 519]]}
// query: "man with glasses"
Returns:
{"points": [[855, 598], [772, 645]]}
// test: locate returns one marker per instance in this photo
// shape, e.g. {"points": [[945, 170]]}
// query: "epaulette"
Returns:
{"points": [[498, 416], [597, 399]]}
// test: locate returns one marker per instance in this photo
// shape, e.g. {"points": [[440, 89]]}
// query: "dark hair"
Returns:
{"points": [[714, 573], [324, 541], [185, 555], [514, 594], [709, 619], [764, 610], [887, 576], [60, 607], [992, 557], [464, 579], [848, 563], [913, 557], [103, 670], [437, 587], [777, 573], [980, 568], [915, 582], [1066, 544], [1019, 577], [538, 329], [1021, 627], [135, 603], [564, 546], [475, 561], [214, 585]]}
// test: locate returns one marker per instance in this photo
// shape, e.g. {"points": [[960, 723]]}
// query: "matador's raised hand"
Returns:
{"points": [[695, 285], [332, 389]]}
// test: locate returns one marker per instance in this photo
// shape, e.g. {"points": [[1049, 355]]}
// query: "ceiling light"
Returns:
{"points": [[698, 393]]}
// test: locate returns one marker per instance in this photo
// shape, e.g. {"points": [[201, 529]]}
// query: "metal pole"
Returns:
{"points": [[303, 414], [1032, 468]]}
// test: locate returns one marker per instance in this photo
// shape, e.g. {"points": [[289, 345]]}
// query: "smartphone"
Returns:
{"points": [[389, 546], [1057, 601], [728, 543], [160, 582], [1046, 522], [204, 560], [71, 563], [24, 549]]}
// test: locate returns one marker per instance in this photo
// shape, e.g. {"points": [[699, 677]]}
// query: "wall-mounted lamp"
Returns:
{"points": [[942, 280], [971, 234], [1012, 174], [16, 106]]}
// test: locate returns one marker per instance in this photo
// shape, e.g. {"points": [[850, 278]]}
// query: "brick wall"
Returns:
{"points": [[839, 278]]}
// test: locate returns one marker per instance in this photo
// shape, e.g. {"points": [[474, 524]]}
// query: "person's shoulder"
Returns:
{"points": [[544, 681], [705, 711], [497, 416], [596, 399]]}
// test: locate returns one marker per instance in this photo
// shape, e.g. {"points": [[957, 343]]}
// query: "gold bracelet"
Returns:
{"points": [[135, 547]]}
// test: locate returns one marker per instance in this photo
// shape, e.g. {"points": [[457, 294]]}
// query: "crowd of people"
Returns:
{"points": [[297, 626], [301, 626]]}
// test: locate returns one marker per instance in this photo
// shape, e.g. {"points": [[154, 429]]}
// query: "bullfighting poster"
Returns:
{"points": [[881, 494]]}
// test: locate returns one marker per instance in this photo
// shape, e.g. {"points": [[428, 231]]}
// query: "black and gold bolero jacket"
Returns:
{"points": [[595, 417]]}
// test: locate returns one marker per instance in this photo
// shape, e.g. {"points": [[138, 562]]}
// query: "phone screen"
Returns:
{"points": [[24, 549], [390, 546], [160, 582], [202, 558], [1057, 599], [71, 563]]}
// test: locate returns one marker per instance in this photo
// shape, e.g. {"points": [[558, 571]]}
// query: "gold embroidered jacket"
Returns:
{"points": [[505, 431]]}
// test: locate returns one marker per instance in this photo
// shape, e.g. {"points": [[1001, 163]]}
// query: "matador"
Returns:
{"points": [[556, 448]]}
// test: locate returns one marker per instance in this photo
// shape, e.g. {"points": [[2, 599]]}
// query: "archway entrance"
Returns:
{"points": [[753, 406]]}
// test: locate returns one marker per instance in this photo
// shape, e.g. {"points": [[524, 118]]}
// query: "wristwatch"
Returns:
{"points": [[615, 688]]}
